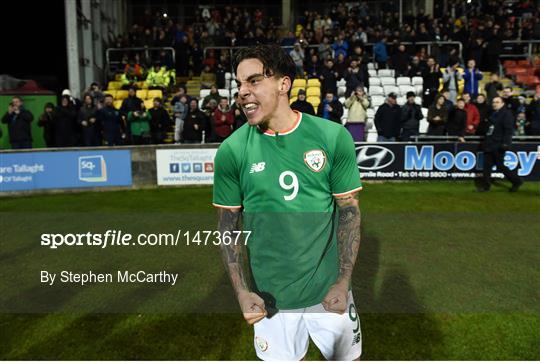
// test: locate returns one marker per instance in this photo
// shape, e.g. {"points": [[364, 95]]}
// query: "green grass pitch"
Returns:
{"points": [[443, 273]]}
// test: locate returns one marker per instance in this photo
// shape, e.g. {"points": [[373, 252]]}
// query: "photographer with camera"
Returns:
{"points": [[19, 122], [357, 103]]}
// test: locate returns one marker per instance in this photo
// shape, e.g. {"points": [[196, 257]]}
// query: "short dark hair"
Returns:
{"points": [[108, 95], [157, 99], [276, 62]]}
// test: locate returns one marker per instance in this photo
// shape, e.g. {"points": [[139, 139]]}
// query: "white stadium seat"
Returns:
{"points": [[417, 80], [370, 66], [403, 81], [370, 124], [388, 81], [233, 91], [341, 83], [374, 81], [372, 72], [390, 89], [401, 100], [424, 112], [418, 100], [345, 113], [341, 90], [403, 89], [424, 124], [376, 90], [200, 103], [234, 84], [228, 75], [370, 112], [372, 135], [385, 72], [419, 89], [376, 101], [224, 93], [204, 92], [342, 100]]}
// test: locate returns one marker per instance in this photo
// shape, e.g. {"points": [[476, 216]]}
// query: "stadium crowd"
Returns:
{"points": [[344, 45]]}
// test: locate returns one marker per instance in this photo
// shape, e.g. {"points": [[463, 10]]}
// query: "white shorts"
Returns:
{"points": [[286, 335]]}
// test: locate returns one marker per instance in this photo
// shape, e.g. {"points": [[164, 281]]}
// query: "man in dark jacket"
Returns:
{"points": [[91, 130], [111, 121], [65, 123], [457, 120], [330, 108], [400, 61], [388, 120], [329, 77], [160, 121], [533, 116], [411, 114], [301, 105], [196, 122], [19, 122], [46, 120], [511, 102], [497, 141], [132, 103], [431, 77]]}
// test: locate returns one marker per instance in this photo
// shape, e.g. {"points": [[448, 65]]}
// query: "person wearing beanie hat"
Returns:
{"points": [[46, 120], [301, 105], [411, 114]]}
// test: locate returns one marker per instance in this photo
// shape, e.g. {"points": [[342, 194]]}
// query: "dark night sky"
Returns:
{"points": [[37, 42]]}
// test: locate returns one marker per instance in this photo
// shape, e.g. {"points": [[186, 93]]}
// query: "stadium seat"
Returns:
{"points": [[112, 92], [419, 89], [375, 90], [385, 73], [374, 81], [299, 82], [424, 124], [370, 113], [155, 93], [401, 100], [313, 91], [370, 66], [418, 100], [313, 82], [114, 85], [523, 63], [121, 95], [341, 91], [203, 93], [388, 81], [200, 103], [142, 93], [509, 63], [372, 136], [234, 84], [424, 112], [377, 100], [417, 81], [294, 91], [149, 104], [345, 113], [224, 93], [233, 91], [403, 89], [403, 81], [117, 104], [341, 100], [372, 72], [341, 83], [315, 101], [228, 75], [141, 85], [390, 89]]}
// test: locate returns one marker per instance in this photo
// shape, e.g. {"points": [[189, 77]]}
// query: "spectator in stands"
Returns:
{"points": [[301, 105], [416, 68], [91, 130], [180, 111], [297, 55], [138, 123], [196, 122], [46, 120], [510, 102], [355, 77], [521, 124], [214, 95], [473, 116], [313, 68], [411, 114], [381, 53], [472, 76], [447, 102], [341, 66], [97, 94], [223, 120], [131, 103], [330, 108], [437, 117], [451, 79], [341, 45], [457, 121], [325, 49], [431, 81], [65, 123], [400, 61], [388, 120], [160, 121], [239, 117], [328, 77], [496, 143], [493, 88], [19, 122], [357, 103], [208, 77], [533, 116], [483, 110], [111, 121]]}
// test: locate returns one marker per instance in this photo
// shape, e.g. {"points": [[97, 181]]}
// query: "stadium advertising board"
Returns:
{"points": [[185, 166], [58, 170], [440, 161]]}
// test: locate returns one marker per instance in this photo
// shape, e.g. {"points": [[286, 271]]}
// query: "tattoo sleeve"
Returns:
{"points": [[348, 235], [233, 255]]}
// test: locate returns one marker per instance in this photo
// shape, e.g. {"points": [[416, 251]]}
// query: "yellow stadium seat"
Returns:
{"points": [[121, 94], [117, 104], [141, 85], [148, 104], [314, 101], [293, 99], [294, 91], [313, 82], [299, 83], [118, 76], [114, 85], [112, 92], [142, 93], [155, 93], [313, 92]]}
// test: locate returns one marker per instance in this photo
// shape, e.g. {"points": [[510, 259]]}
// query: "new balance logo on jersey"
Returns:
{"points": [[257, 167]]}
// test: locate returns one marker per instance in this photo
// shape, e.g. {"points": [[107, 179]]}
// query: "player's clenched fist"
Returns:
{"points": [[252, 307], [336, 299]]}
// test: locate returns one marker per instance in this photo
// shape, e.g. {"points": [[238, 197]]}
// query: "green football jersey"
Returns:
{"points": [[286, 183]]}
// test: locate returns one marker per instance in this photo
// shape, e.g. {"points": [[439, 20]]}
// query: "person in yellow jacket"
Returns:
{"points": [[357, 103], [151, 77]]}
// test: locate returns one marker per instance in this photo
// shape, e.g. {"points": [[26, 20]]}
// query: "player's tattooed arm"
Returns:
{"points": [[348, 235], [233, 254]]}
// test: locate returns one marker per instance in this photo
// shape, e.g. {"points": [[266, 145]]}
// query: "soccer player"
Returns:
{"points": [[293, 179]]}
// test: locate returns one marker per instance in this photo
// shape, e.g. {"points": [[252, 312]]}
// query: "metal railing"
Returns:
{"points": [[531, 48], [147, 54], [425, 138]]}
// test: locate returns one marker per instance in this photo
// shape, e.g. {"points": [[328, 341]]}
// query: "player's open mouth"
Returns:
{"points": [[250, 108]]}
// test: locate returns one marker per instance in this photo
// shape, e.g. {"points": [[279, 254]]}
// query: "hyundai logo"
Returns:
{"points": [[373, 157]]}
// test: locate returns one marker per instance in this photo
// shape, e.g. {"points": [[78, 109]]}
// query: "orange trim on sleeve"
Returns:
{"points": [[348, 192], [227, 207]]}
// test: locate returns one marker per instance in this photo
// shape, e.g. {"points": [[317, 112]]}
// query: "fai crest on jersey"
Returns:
{"points": [[261, 343], [315, 160]]}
